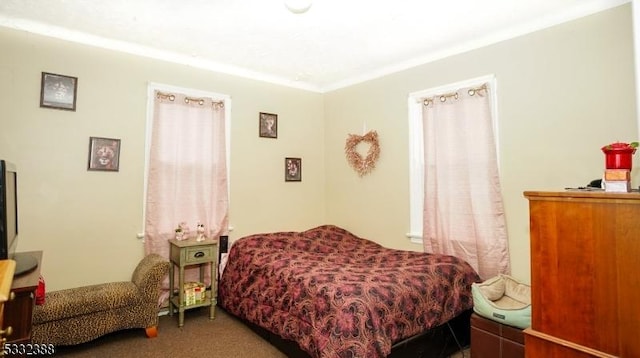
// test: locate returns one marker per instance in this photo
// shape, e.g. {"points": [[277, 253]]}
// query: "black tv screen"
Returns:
{"points": [[8, 209], [25, 262]]}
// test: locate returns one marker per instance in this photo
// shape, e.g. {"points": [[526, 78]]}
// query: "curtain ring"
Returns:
{"points": [[188, 100], [170, 97], [472, 92]]}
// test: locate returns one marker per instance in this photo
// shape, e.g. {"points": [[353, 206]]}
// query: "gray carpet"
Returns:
{"points": [[199, 337], [224, 336]]}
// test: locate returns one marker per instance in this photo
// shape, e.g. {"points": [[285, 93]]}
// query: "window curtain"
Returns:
{"points": [[187, 174], [463, 210]]}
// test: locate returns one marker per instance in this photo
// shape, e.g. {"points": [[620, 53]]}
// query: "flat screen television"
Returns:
{"points": [[9, 220]]}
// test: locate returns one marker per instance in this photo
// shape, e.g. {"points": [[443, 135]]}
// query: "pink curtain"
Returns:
{"points": [[187, 177], [463, 209]]}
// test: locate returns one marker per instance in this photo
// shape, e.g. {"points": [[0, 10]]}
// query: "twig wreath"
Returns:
{"points": [[361, 165]]}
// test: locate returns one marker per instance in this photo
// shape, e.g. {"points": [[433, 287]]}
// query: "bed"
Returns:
{"points": [[338, 295]]}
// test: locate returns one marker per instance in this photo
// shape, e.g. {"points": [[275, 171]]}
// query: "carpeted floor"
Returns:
{"points": [[199, 337]]}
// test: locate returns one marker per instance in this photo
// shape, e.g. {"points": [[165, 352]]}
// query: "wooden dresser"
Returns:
{"points": [[18, 312], [585, 281], [7, 268]]}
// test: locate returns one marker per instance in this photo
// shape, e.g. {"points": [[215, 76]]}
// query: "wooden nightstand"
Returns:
{"points": [[190, 252]]}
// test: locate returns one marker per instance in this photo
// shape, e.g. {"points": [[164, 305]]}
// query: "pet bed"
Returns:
{"points": [[503, 299]]}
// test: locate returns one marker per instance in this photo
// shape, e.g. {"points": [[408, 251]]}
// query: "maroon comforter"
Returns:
{"points": [[339, 295]]}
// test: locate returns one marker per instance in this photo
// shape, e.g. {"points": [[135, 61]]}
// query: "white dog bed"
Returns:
{"points": [[504, 300]]}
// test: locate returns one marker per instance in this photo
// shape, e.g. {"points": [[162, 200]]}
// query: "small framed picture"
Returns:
{"points": [[58, 91], [268, 125], [292, 169], [104, 154]]}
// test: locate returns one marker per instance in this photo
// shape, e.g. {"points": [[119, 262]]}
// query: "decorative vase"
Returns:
{"points": [[618, 158]]}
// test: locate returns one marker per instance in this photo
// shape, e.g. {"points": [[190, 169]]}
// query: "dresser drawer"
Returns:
{"points": [[198, 254], [491, 339]]}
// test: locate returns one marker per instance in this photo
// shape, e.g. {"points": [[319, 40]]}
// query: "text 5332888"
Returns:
{"points": [[28, 349]]}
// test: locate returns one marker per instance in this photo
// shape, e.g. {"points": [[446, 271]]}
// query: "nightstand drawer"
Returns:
{"points": [[197, 254]]}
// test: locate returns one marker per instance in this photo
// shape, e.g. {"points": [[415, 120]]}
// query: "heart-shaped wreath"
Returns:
{"points": [[362, 165]]}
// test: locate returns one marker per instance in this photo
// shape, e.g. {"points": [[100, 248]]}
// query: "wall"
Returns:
{"points": [[86, 222], [563, 93]]}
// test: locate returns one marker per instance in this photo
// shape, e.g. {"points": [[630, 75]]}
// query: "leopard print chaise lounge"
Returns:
{"points": [[81, 314]]}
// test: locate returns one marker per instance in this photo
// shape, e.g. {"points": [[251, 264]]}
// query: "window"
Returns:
{"points": [[456, 201], [416, 146], [189, 147]]}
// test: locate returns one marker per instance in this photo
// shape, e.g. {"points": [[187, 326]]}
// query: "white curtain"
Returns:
{"points": [[187, 174], [463, 209]]}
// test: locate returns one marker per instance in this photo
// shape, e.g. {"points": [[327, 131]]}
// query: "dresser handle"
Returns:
{"points": [[6, 332], [198, 254]]}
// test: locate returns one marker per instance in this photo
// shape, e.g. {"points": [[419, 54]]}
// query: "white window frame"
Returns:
{"points": [[416, 147], [151, 88]]}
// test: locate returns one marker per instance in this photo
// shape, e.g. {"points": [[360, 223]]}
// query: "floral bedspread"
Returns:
{"points": [[338, 295]]}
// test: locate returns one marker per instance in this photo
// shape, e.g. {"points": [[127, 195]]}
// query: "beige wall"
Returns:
{"points": [[562, 93], [86, 222]]}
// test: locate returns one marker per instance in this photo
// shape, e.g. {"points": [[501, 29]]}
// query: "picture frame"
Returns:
{"points": [[292, 169], [268, 125], [104, 154], [58, 91]]}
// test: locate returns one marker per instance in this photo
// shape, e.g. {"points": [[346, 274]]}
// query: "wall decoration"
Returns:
{"points": [[268, 125], [104, 154], [58, 91], [361, 165], [292, 169]]}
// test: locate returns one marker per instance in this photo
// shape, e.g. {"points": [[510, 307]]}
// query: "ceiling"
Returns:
{"points": [[335, 44]]}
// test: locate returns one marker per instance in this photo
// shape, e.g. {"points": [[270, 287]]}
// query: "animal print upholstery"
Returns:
{"points": [[78, 315]]}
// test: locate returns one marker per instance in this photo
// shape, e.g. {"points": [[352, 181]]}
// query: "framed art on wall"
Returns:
{"points": [[292, 169], [104, 154], [268, 125], [58, 91]]}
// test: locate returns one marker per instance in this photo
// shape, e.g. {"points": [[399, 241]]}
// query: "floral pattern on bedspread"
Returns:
{"points": [[338, 295]]}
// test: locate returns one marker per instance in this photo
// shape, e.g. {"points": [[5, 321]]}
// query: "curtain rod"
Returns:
{"points": [[443, 97], [200, 101]]}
